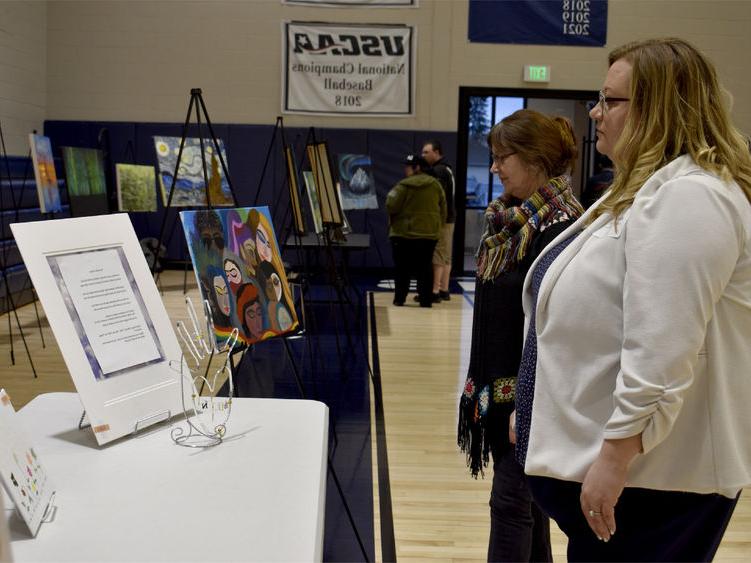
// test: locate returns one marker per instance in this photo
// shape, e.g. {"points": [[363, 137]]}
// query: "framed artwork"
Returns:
{"points": [[320, 165], [239, 270], [357, 183], [315, 206], [21, 470], [44, 174], [108, 318], [294, 191], [190, 187], [136, 187], [84, 178]]}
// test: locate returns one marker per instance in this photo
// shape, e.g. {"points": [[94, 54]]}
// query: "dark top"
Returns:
{"points": [[498, 334], [442, 171], [525, 388]]}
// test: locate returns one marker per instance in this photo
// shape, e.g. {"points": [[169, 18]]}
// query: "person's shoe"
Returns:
{"points": [[436, 297], [398, 303], [445, 295], [426, 305]]}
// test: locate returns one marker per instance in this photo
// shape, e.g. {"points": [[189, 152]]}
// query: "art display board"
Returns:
{"points": [[294, 190], [315, 205], [239, 271], [108, 318], [320, 165], [85, 181], [136, 187], [21, 471], [44, 174], [190, 188], [357, 182]]}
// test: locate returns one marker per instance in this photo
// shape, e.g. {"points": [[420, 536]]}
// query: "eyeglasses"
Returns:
{"points": [[604, 101], [499, 159]]}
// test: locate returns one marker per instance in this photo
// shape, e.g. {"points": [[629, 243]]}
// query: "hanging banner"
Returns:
{"points": [[354, 3], [354, 69], [531, 22]]}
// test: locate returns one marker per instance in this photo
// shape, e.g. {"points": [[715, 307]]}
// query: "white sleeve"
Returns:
{"points": [[682, 245]]}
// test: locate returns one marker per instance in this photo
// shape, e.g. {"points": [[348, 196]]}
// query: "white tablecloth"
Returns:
{"points": [[259, 496]]}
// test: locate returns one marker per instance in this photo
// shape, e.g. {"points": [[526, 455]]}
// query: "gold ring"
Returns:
{"points": [[593, 513]]}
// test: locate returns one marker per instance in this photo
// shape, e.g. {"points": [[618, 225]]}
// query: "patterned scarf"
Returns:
{"points": [[509, 229], [511, 226]]}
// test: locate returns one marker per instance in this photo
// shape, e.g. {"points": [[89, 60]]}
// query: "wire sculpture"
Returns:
{"points": [[208, 425]]}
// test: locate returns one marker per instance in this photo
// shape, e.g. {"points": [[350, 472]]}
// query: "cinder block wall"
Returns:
{"points": [[23, 72], [136, 61]]}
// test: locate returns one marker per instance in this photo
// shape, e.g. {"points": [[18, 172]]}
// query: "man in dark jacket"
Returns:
{"points": [[417, 212], [439, 167]]}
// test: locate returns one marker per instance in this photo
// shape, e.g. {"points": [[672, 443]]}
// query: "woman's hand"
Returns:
{"points": [[512, 427], [604, 483]]}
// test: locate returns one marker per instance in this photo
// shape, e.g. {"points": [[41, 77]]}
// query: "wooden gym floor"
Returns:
{"points": [[439, 512]]}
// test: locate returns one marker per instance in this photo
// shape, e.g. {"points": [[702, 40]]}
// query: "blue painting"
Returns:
{"points": [[190, 188]]}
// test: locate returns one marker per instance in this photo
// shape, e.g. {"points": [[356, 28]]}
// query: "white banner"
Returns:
{"points": [[348, 69], [367, 3]]}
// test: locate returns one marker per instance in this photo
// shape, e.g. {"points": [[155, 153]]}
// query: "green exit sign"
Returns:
{"points": [[536, 73]]}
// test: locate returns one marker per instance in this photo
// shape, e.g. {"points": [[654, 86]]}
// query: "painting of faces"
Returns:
{"points": [[239, 270]]}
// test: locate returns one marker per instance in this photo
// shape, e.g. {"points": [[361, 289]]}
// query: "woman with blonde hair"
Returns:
{"points": [[632, 416], [533, 154]]}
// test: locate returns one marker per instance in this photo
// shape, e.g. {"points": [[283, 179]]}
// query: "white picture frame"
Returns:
{"points": [[109, 320]]}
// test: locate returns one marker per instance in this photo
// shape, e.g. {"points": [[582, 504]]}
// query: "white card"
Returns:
{"points": [[108, 318], [21, 470]]}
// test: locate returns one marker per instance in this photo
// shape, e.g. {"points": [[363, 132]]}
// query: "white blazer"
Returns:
{"points": [[645, 327]]}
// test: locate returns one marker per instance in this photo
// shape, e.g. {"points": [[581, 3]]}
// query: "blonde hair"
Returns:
{"points": [[677, 107], [541, 141]]}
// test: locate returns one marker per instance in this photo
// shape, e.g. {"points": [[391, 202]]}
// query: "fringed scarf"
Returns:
{"points": [[509, 229], [511, 226]]}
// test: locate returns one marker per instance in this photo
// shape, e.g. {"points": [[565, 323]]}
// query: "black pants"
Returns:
{"points": [[413, 257], [650, 525], [519, 530]]}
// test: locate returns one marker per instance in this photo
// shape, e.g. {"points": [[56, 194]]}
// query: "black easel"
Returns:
{"points": [[8, 294], [196, 100], [309, 324]]}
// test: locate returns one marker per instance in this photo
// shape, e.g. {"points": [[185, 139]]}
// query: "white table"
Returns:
{"points": [[259, 496]]}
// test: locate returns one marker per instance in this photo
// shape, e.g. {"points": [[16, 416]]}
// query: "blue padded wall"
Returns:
{"points": [[247, 146]]}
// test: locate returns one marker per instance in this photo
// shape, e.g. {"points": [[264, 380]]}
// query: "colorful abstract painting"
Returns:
{"points": [[239, 271], [190, 188], [315, 206], [84, 178], [44, 172], [357, 182], [136, 187]]}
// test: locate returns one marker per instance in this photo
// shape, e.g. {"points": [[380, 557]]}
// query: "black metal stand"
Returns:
{"points": [[8, 293], [196, 100], [334, 476]]}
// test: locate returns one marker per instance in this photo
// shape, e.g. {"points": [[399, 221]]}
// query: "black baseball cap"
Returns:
{"points": [[415, 160]]}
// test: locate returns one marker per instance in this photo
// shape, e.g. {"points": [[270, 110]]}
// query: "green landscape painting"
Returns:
{"points": [[136, 187]]}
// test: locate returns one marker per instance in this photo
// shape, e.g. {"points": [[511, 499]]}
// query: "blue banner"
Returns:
{"points": [[539, 22]]}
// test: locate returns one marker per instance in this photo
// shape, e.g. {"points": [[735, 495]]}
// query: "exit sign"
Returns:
{"points": [[536, 73]]}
